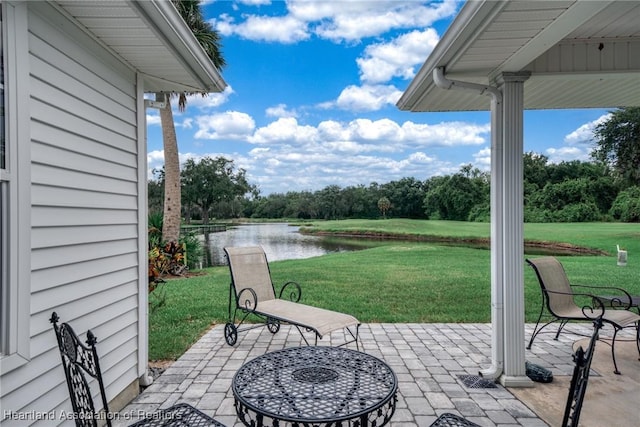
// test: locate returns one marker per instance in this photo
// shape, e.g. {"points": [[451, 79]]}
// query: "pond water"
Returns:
{"points": [[279, 240], [282, 241]]}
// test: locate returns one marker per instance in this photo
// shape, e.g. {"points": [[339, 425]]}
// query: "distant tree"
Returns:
{"points": [[155, 195], [329, 202], [535, 170], [453, 197], [212, 181], [618, 144], [384, 205], [408, 196]]}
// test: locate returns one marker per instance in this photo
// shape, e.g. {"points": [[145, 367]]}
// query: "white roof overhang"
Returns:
{"points": [[581, 54], [151, 37]]}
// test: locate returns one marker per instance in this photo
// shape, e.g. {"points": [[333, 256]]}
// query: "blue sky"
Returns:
{"points": [[310, 102]]}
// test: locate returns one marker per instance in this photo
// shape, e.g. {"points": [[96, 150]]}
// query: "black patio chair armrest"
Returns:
{"points": [[295, 293], [593, 311], [250, 302], [623, 301]]}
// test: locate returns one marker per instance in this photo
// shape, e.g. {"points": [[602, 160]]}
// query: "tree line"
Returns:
{"points": [[607, 188], [574, 191]]}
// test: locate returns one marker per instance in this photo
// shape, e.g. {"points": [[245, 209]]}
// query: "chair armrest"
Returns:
{"points": [[250, 302], [593, 311], [295, 291], [623, 301]]}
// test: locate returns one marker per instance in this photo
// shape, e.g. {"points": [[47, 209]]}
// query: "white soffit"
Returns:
{"points": [[151, 37], [580, 54]]}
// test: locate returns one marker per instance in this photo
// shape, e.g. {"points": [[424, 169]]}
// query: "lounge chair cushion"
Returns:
{"points": [[322, 320]]}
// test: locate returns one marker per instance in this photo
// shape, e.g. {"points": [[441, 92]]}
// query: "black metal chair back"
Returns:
{"points": [[77, 360], [580, 378]]}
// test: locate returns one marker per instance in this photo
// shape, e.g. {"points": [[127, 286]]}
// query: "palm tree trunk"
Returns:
{"points": [[172, 202]]}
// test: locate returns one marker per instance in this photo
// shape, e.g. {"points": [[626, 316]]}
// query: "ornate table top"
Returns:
{"points": [[315, 385]]}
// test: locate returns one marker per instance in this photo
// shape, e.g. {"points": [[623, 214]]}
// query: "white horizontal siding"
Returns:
{"points": [[85, 233], [56, 196], [100, 149], [117, 352]]}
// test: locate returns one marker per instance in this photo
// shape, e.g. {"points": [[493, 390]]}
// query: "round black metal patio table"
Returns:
{"points": [[315, 386]]}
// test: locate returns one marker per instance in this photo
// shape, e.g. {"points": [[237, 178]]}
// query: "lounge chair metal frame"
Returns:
{"points": [[258, 298], [78, 359], [561, 306]]}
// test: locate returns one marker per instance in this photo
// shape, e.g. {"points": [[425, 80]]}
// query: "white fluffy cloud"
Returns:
{"points": [[584, 134], [209, 101], [289, 155], [280, 110], [282, 29], [227, 125], [366, 97], [578, 144], [283, 130], [566, 154], [336, 20], [383, 61], [386, 134]]}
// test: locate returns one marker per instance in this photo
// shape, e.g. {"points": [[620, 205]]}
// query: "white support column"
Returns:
{"points": [[513, 230]]}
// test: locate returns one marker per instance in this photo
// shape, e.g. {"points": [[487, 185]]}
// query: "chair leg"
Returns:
{"points": [[613, 352], [560, 328], [535, 329], [638, 338]]}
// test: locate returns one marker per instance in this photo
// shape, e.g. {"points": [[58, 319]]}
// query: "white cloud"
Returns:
{"points": [[445, 134], [187, 123], [336, 20], [567, 154], [254, 2], [483, 159], [227, 125], [584, 134], [354, 20], [383, 61], [153, 119], [210, 100], [282, 29], [291, 156], [367, 97], [285, 129], [280, 110]]}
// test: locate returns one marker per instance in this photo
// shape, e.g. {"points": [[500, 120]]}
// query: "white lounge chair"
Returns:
{"points": [[252, 292]]}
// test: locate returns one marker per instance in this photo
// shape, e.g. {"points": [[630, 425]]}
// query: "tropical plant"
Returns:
{"points": [[209, 39], [384, 204]]}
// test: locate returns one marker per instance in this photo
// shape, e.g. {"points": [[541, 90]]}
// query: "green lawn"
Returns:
{"points": [[398, 281]]}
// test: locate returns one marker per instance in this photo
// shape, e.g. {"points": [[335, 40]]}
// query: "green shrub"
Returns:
{"points": [[626, 207], [578, 212]]}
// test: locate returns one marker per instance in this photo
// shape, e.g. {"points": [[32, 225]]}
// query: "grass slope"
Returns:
{"points": [[398, 281]]}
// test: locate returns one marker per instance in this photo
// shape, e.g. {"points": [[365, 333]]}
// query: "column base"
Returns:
{"points": [[511, 381]]}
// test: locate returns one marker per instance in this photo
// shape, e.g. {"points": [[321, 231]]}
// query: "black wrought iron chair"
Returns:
{"points": [[78, 359], [452, 420], [578, 386], [559, 299]]}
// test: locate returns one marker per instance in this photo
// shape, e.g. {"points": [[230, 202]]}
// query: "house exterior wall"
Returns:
{"points": [[85, 213]]}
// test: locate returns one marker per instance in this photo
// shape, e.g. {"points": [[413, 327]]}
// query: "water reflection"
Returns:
{"points": [[279, 240], [283, 241]]}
